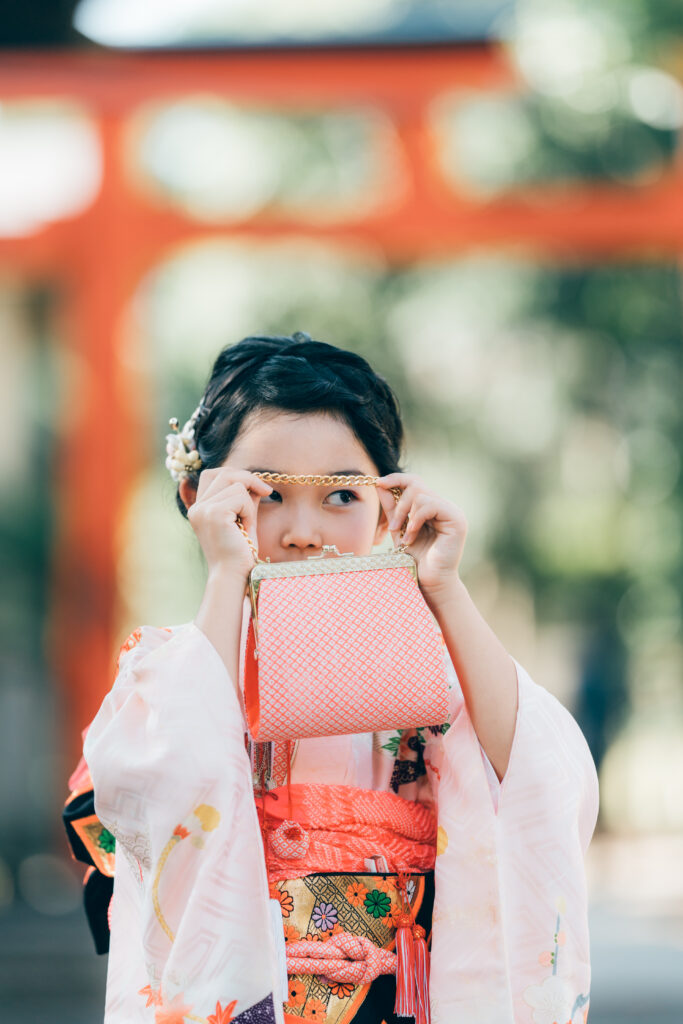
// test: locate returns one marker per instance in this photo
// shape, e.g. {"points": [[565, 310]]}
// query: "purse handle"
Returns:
{"points": [[320, 480]]}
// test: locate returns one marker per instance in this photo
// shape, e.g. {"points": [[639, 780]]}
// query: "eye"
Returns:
{"points": [[345, 497], [340, 497]]}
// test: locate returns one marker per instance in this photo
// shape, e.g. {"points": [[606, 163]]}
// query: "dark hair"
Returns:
{"points": [[296, 374]]}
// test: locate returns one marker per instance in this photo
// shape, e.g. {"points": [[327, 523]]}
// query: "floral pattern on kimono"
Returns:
{"points": [[168, 763]]}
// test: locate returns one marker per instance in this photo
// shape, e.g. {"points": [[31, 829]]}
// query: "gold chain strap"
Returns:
{"points": [[320, 480]]}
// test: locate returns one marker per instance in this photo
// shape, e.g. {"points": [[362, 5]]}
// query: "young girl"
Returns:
{"points": [[493, 814]]}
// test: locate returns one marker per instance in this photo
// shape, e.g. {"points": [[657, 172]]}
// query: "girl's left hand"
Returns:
{"points": [[435, 532]]}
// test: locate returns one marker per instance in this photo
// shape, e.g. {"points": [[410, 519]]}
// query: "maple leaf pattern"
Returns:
{"points": [[222, 1015], [173, 1012], [153, 995]]}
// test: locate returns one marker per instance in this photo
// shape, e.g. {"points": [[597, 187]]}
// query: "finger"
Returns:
{"points": [[418, 516], [231, 490], [392, 482], [210, 481], [387, 501], [226, 476], [247, 514], [400, 513], [236, 507], [223, 476], [396, 480], [235, 498]]}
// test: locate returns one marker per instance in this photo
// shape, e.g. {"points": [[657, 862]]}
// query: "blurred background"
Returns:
{"points": [[483, 198]]}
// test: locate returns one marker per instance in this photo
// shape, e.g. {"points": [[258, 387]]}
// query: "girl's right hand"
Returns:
{"points": [[224, 494]]}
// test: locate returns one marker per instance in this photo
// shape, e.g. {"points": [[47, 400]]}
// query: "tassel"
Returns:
{"points": [[289, 778], [261, 757], [405, 967], [421, 953]]}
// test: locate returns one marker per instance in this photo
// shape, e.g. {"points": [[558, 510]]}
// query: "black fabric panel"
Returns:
{"points": [[96, 896], [80, 807]]}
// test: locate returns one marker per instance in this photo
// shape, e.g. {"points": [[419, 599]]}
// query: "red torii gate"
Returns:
{"points": [[99, 257]]}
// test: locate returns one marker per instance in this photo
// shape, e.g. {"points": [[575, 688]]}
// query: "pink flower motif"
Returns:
{"points": [[561, 938], [546, 958]]}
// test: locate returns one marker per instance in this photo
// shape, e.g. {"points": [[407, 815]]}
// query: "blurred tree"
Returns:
{"points": [[627, 322]]}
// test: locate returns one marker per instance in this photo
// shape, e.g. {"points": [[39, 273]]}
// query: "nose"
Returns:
{"points": [[302, 532]]}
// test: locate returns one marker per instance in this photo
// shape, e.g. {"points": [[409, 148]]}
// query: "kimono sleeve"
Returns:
{"points": [[510, 915], [190, 920]]}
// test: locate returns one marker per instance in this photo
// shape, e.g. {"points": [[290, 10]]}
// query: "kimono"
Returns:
{"points": [[192, 931]]}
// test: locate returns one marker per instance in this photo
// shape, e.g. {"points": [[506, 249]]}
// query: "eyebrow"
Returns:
{"points": [[335, 472]]}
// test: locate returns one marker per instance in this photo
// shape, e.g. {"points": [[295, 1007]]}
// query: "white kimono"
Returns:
{"points": [[191, 932]]}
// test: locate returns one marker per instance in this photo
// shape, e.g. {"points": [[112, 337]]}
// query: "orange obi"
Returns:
{"points": [[310, 829]]}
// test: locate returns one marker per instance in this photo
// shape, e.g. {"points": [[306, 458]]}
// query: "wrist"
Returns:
{"points": [[221, 612], [449, 591], [224, 576]]}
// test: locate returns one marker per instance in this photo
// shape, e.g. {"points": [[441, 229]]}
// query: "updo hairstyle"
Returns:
{"points": [[295, 374]]}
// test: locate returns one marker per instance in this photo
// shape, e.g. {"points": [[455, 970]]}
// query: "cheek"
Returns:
{"points": [[366, 520], [266, 520]]}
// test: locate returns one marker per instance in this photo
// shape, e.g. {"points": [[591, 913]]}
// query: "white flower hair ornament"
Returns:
{"points": [[182, 457]]}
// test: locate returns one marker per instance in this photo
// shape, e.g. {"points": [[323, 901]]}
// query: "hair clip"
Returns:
{"points": [[182, 457]]}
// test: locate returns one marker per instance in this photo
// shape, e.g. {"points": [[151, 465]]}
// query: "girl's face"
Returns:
{"points": [[295, 520]]}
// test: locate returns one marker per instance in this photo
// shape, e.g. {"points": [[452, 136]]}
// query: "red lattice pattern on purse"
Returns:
{"points": [[348, 652]]}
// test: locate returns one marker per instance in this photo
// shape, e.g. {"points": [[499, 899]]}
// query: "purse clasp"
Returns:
{"points": [[330, 551]]}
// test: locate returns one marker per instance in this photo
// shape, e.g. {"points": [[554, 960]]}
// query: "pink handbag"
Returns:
{"points": [[341, 644]]}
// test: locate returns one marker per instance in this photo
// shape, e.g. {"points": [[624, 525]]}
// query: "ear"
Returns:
{"points": [[187, 492], [382, 527]]}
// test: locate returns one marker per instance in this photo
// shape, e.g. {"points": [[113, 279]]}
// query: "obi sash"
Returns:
{"points": [[340, 919], [319, 907]]}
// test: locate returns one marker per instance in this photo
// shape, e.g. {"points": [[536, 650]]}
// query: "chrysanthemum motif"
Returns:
{"points": [[324, 916], [356, 893], [106, 841], [377, 903], [341, 989], [297, 992], [391, 919], [316, 1010], [284, 899]]}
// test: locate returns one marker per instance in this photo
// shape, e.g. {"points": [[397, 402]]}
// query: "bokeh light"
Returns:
{"points": [[50, 166], [216, 160]]}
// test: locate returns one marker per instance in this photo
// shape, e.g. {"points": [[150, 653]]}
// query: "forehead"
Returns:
{"points": [[299, 443]]}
